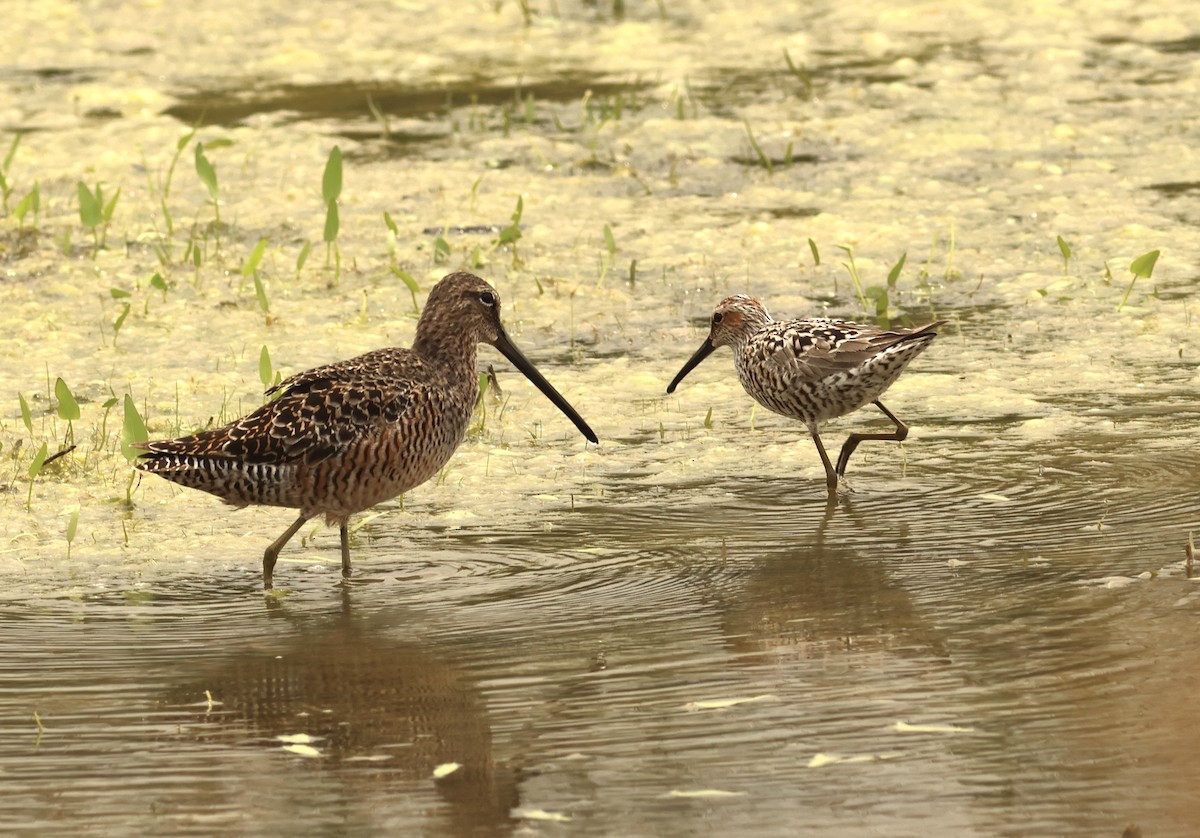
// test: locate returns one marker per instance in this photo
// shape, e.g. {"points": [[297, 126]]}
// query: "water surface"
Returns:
{"points": [[989, 634]]}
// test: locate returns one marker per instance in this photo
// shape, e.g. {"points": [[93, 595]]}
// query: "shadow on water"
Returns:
{"points": [[349, 99]]}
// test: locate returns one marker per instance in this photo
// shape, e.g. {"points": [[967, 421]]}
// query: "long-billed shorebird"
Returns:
{"points": [[343, 437], [813, 370]]}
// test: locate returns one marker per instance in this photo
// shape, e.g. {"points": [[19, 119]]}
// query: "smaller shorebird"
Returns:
{"points": [[343, 437], [813, 370]]}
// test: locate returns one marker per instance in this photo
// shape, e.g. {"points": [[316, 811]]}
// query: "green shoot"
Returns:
{"points": [[393, 234], [91, 212], [5, 184], [106, 214], [165, 186], [801, 73], [31, 202], [380, 117], [708, 419], [255, 258], [331, 190], [108, 405], [250, 268], [208, 176], [879, 296], [816, 254], [1065, 250], [197, 259], [853, 271], [481, 402], [72, 526], [266, 371], [35, 468], [1141, 267], [120, 321], [26, 415], [441, 251], [411, 284], [475, 191], [133, 430], [951, 271], [894, 273], [68, 407], [302, 257], [159, 283], [610, 247], [763, 160], [511, 233], [260, 293]]}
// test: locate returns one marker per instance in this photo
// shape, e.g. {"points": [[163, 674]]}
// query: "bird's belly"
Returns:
{"points": [[813, 402], [380, 468]]}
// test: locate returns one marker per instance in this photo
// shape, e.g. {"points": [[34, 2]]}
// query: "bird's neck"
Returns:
{"points": [[446, 347]]}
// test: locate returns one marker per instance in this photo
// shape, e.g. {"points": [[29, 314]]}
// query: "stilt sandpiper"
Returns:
{"points": [[343, 437], [813, 370]]}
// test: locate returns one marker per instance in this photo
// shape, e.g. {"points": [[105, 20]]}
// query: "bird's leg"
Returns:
{"points": [[831, 476], [854, 439], [345, 533], [272, 552]]}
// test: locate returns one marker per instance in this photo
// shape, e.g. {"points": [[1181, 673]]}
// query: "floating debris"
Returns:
{"points": [[704, 793], [445, 770], [540, 815], [905, 727], [722, 703], [302, 750]]}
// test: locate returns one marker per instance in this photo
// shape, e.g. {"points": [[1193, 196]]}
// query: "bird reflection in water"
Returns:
{"points": [[375, 709]]}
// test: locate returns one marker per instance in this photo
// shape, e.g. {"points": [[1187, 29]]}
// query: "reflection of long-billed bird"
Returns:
{"points": [[812, 370], [381, 715], [343, 437]]}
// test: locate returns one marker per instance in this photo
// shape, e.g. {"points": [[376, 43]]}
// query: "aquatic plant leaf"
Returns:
{"points": [[255, 257], [331, 181], [266, 372], [133, 430], [90, 209], [1143, 266], [26, 415], [894, 273], [68, 408], [38, 459], [208, 175]]}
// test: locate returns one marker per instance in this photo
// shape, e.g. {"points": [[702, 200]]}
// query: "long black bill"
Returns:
{"points": [[509, 351], [703, 352]]}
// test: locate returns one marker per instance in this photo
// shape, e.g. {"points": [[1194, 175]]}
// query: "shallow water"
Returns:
{"points": [[673, 633]]}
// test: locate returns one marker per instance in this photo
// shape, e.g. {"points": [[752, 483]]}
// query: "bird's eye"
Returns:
{"points": [[487, 298], [717, 318]]}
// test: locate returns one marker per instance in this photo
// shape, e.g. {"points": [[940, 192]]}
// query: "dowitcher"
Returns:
{"points": [[815, 369], [340, 438]]}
